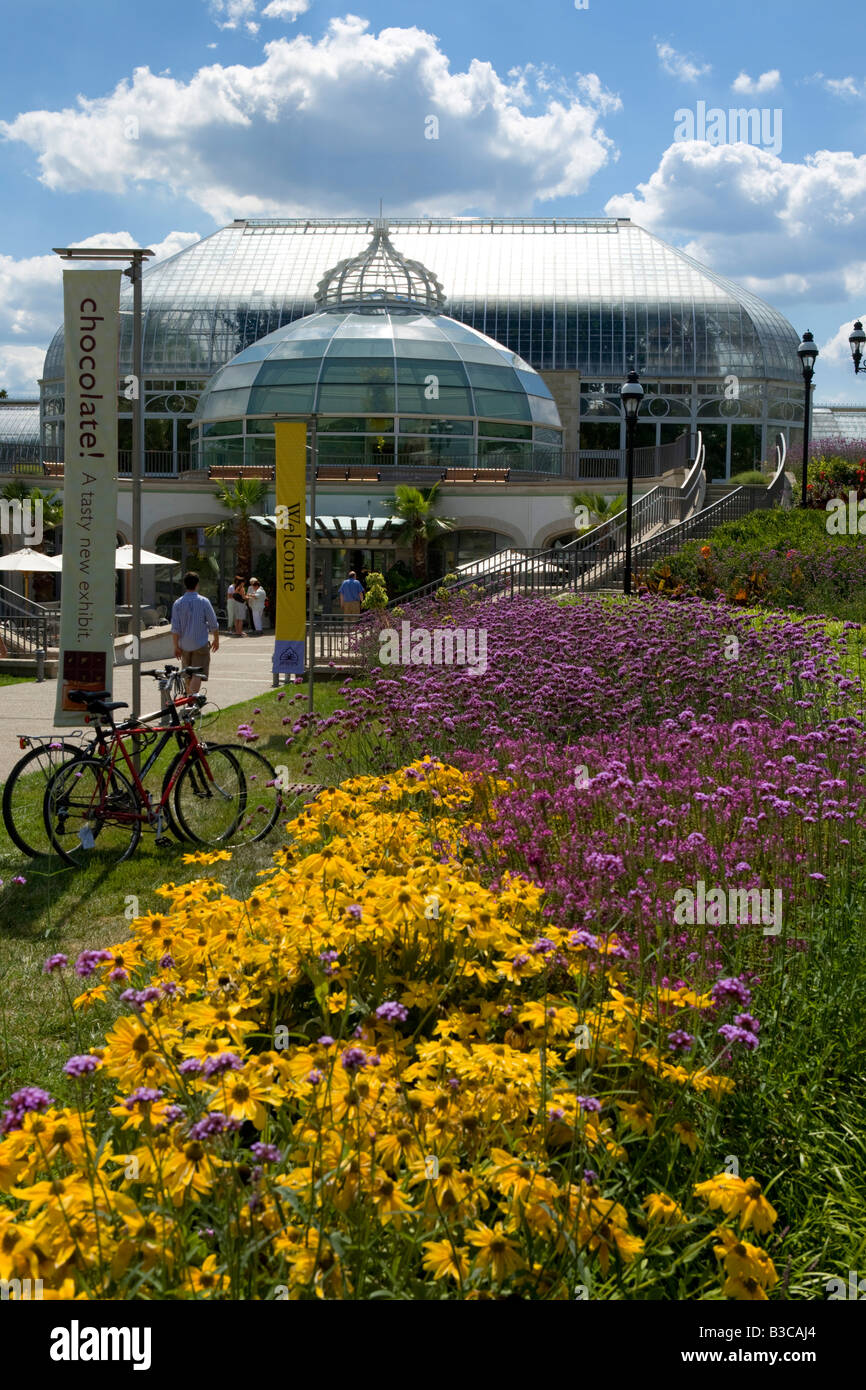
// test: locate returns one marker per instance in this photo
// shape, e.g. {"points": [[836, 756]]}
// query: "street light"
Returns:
{"points": [[631, 395], [808, 354], [856, 340]]}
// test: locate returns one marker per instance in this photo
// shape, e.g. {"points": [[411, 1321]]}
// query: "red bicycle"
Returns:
{"points": [[98, 805]]}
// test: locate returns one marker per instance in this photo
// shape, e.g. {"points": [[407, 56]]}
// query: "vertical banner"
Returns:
{"points": [[291, 587], [91, 303]]}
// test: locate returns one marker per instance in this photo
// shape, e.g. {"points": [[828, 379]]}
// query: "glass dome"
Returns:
{"points": [[385, 360]]}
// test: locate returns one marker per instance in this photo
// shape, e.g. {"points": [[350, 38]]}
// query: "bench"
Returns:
{"points": [[476, 475], [338, 473], [218, 471]]}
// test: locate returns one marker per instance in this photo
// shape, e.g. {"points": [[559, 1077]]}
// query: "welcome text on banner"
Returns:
{"points": [[91, 304], [291, 587]]}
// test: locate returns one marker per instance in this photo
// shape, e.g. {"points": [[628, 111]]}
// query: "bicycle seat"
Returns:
{"points": [[104, 709], [83, 697]]}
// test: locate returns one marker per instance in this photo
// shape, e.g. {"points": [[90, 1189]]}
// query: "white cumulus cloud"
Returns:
{"points": [[329, 127], [756, 86], [779, 228], [31, 304], [680, 65], [286, 9], [234, 14]]}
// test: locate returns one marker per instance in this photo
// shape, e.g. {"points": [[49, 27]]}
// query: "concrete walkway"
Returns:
{"points": [[240, 670]]}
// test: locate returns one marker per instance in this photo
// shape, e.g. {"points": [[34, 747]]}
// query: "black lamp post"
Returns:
{"points": [[631, 395], [807, 353], [856, 340]]}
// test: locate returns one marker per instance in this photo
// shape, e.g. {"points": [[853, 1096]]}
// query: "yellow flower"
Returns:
{"points": [[738, 1197], [207, 1280], [446, 1261], [745, 1261], [495, 1252], [662, 1208], [688, 1134], [213, 856], [637, 1116]]}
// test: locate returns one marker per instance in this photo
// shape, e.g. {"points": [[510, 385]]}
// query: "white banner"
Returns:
{"points": [[91, 301]]}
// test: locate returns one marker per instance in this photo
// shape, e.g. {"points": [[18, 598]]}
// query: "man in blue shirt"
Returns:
{"points": [[351, 593], [192, 620]]}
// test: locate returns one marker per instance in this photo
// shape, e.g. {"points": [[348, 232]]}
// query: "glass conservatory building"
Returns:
{"points": [[577, 301]]}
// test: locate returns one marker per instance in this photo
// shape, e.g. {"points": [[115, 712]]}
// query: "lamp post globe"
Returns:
{"points": [[631, 395], [808, 355]]}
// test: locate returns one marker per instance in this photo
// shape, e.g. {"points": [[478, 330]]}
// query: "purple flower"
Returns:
{"points": [[223, 1062], [680, 1041], [145, 1095], [18, 880], [138, 998], [590, 1103], [731, 988], [325, 1040], [266, 1153], [81, 1065], [213, 1123], [732, 1034], [354, 910], [314, 1076], [747, 1021], [22, 1103], [191, 1067], [542, 946], [118, 975], [88, 960], [354, 1058], [392, 1012], [58, 962]]}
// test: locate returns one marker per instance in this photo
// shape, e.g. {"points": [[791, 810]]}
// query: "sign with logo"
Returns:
{"points": [[291, 587], [91, 302]]}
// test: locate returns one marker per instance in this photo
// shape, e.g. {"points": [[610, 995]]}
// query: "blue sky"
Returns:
{"points": [[159, 123]]}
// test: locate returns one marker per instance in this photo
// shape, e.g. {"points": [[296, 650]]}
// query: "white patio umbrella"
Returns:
{"points": [[123, 558], [27, 561]]}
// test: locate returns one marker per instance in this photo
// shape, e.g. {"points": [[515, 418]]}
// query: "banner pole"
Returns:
{"points": [[314, 446]]}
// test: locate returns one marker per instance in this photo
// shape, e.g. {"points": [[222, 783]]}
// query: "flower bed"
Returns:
{"points": [[378, 1074]]}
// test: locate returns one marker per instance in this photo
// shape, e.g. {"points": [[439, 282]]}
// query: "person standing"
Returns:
{"points": [[193, 622], [256, 597], [351, 593], [236, 606]]}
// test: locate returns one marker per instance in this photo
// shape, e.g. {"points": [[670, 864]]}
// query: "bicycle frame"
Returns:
{"points": [[113, 744]]}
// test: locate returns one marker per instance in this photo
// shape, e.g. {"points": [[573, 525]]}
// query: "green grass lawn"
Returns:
{"points": [[14, 680], [61, 908]]}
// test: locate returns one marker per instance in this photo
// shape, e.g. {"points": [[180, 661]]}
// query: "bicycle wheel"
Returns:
{"points": [[24, 794], [263, 799], [91, 813], [209, 796]]}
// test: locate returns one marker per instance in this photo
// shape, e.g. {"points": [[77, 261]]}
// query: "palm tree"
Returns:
{"points": [[415, 509], [52, 506], [243, 498], [598, 506]]}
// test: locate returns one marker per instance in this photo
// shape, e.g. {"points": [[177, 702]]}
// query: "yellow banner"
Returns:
{"points": [[91, 301], [291, 588]]}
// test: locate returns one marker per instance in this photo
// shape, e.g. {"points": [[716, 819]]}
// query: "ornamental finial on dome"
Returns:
{"points": [[380, 275]]}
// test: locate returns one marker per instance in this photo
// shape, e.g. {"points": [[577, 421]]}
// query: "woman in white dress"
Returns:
{"points": [[256, 602]]}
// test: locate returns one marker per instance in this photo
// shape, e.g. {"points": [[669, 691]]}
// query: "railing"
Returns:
{"points": [[26, 626], [588, 465], [589, 560]]}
